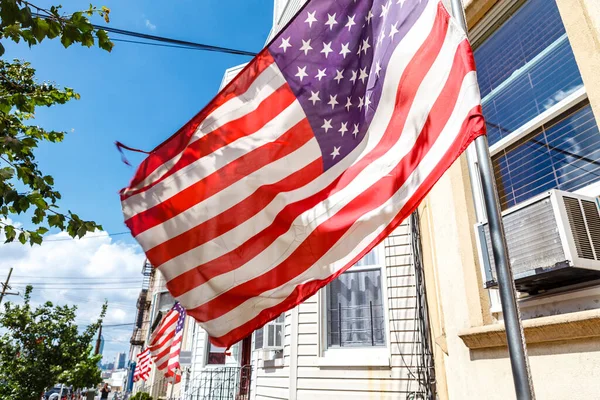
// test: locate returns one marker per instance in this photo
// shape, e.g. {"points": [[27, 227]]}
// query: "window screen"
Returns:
{"points": [[355, 313]]}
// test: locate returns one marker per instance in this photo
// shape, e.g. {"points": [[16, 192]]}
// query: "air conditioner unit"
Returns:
{"points": [[553, 240]]}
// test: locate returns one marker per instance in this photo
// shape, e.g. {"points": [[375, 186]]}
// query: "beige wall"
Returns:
{"points": [[564, 366], [582, 22]]}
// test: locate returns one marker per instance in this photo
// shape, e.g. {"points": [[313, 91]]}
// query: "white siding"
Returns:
{"points": [[283, 11]]}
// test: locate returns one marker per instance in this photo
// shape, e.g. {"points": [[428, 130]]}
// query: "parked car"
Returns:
{"points": [[66, 392]]}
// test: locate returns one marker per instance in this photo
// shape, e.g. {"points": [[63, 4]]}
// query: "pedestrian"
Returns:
{"points": [[104, 392]]}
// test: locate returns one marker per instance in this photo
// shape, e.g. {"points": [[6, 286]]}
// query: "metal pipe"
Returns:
{"points": [[506, 285]]}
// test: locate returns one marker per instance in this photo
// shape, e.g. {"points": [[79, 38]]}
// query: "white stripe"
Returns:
{"points": [[232, 195], [367, 227], [287, 243], [230, 240], [212, 162], [262, 87]]}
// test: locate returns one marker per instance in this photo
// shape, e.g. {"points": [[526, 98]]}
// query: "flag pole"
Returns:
{"points": [[506, 284]]}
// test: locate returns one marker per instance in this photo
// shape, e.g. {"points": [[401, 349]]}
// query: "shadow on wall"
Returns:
{"points": [[591, 345]]}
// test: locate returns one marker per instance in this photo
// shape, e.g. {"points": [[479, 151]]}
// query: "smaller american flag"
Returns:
{"points": [[142, 368], [165, 343]]}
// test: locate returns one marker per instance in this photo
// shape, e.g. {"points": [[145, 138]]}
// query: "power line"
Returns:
{"points": [[173, 42]]}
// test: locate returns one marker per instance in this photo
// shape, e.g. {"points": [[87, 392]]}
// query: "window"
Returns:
{"points": [[541, 129], [355, 307], [215, 355], [270, 336]]}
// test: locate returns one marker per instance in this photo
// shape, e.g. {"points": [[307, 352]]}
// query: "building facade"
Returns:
{"points": [[420, 316]]}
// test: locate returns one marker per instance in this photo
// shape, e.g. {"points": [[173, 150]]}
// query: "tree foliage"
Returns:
{"points": [[43, 346], [141, 396], [23, 186]]}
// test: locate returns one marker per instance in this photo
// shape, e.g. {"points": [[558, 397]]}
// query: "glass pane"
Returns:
{"points": [[355, 313], [563, 155], [216, 355], [258, 338], [370, 258], [525, 67], [271, 335], [279, 335]]}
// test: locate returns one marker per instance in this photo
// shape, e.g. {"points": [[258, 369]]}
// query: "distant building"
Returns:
{"points": [[120, 361]]}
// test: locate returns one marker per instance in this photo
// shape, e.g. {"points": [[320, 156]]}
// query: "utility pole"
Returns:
{"points": [[5, 286], [98, 340]]}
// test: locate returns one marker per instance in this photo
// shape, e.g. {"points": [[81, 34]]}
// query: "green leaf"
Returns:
{"points": [[10, 233], [6, 173], [23, 237], [1, 49], [40, 28]]}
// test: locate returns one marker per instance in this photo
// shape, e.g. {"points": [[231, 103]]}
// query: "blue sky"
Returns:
{"points": [[138, 95]]}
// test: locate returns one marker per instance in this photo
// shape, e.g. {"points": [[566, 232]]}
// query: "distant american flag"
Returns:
{"points": [[165, 342], [142, 367], [309, 158]]}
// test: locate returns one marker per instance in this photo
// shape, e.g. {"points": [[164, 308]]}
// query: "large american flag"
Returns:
{"points": [[165, 342], [142, 367], [309, 158]]}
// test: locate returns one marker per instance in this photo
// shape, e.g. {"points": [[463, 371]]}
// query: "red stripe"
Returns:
{"points": [[472, 127], [409, 84], [167, 321], [326, 235], [226, 221], [177, 143], [270, 108], [163, 340], [236, 170]]}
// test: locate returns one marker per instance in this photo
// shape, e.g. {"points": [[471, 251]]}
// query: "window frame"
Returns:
{"points": [[353, 356], [264, 329], [485, 28]]}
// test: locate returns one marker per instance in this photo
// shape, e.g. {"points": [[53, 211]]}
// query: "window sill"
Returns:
{"points": [[355, 358], [572, 326]]}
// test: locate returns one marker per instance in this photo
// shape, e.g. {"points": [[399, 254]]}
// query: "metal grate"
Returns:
{"points": [[577, 224], [532, 238], [592, 217], [226, 383]]}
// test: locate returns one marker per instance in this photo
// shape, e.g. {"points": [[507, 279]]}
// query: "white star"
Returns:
{"points": [[385, 9], [367, 101], [401, 2], [363, 74], [333, 101], [306, 46], [339, 75], [285, 43], [350, 22], [314, 97], [327, 124], [348, 104], [321, 74], [326, 49], [377, 68], [343, 128], [331, 20], [393, 31], [301, 73], [365, 45], [361, 103], [345, 50], [354, 76], [311, 18], [336, 151], [381, 36], [355, 131], [369, 17]]}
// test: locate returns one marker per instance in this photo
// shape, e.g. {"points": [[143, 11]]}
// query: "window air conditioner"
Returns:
{"points": [[553, 240]]}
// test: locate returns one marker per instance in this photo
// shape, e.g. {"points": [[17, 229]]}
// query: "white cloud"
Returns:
{"points": [[83, 272], [150, 25]]}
